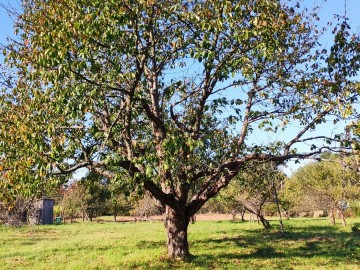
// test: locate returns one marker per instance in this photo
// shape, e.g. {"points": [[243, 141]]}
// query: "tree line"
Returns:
{"points": [[326, 187]]}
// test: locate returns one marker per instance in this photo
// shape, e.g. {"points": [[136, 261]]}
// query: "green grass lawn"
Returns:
{"points": [[308, 244]]}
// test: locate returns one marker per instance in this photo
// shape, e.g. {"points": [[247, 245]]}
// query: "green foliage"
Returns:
{"points": [[97, 192], [118, 204], [86, 76], [355, 227], [94, 196], [355, 207], [321, 185], [217, 205], [254, 187], [164, 96], [57, 210]]}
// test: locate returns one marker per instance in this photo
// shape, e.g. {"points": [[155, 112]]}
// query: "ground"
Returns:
{"points": [[222, 244]]}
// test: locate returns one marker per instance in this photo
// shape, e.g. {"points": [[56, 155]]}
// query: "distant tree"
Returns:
{"points": [[93, 196], [119, 204], [355, 207], [353, 132], [231, 202], [145, 206], [97, 193], [324, 185], [255, 187], [259, 185], [167, 94], [74, 201], [214, 205]]}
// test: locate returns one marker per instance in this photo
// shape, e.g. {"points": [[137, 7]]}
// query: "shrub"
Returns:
{"points": [[355, 227], [355, 208], [14, 213]]}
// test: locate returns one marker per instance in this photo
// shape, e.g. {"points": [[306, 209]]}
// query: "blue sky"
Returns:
{"points": [[326, 13]]}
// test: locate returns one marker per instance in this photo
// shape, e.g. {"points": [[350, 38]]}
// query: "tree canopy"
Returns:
{"points": [[166, 95]]}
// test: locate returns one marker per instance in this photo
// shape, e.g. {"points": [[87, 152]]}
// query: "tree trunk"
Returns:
{"points": [[193, 219], [233, 213], [342, 216], [176, 225], [264, 222], [252, 217], [242, 213], [115, 217], [332, 215]]}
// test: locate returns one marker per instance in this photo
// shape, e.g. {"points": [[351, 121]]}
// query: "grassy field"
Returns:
{"points": [[308, 244]]}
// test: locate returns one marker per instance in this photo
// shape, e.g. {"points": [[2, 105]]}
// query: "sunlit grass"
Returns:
{"points": [[307, 244]]}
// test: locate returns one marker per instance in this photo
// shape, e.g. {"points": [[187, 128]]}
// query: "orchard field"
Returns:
{"points": [[307, 244]]}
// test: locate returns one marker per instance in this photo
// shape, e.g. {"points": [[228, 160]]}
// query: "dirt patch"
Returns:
{"points": [[214, 217]]}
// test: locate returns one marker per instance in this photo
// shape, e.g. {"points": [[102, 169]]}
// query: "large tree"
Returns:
{"points": [[165, 95]]}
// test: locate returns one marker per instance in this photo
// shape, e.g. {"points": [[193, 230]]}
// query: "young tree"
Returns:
{"points": [[118, 204], [254, 187], [145, 206], [137, 89], [97, 190], [74, 201], [230, 200]]}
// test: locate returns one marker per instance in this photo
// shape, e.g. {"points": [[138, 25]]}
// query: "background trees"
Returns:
{"points": [[167, 94], [325, 185]]}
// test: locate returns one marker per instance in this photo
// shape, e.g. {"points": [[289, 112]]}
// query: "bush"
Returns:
{"points": [[14, 213], [355, 208], [355, 227]]}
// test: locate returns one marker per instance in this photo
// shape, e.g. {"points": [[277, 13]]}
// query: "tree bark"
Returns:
{"points": [[233, 213], [242, 213], [176, 225], [342, 216], [332, 215], [264, 222]]}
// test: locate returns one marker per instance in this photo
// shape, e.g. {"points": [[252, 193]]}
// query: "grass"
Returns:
{"points": [[307, 244]]}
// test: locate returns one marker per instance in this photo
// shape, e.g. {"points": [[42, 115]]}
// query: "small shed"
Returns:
{"points": [[42, 212]]}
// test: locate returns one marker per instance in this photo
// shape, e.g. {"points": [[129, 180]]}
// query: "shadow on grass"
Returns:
{"points": [[149, 244], [254, 249], [301, 242]]}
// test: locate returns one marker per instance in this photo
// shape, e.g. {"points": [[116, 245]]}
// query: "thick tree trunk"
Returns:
{"points": [[176, 225]]}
